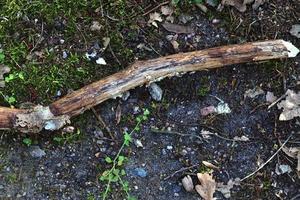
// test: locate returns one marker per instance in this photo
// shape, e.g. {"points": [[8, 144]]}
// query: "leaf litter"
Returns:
{"points": [[207, 186], [290, 106]]}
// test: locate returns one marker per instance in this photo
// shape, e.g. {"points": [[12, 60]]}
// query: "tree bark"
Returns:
{"points": [[59, 112]]}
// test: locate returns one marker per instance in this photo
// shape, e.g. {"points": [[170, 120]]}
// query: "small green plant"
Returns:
{"points": [[68, 137], [27, 141], [91, 196], [2, 56], [203, 91], [176, 2], [116, 172]]}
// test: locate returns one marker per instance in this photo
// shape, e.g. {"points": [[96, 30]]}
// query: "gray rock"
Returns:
{"points": [[212, 2], [155, 91], [64, 54], [141, 172], [37, 152]]}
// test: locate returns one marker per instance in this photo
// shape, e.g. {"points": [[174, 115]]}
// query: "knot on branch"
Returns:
{"points": [[34, 120]]}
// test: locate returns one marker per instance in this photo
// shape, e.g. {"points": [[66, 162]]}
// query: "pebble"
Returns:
{"points": [[125, 95], [64, 55], [138, 143], [37, 152], [141, 172], [169, 147], [155, 91]]}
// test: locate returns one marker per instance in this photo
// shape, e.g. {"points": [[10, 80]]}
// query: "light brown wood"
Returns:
{"points": [[140, 73]]}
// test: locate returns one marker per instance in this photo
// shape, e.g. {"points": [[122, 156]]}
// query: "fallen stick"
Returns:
{"points": [[57, 114]]}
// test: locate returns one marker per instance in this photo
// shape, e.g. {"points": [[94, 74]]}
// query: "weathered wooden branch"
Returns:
{"points": [[57, 114]]}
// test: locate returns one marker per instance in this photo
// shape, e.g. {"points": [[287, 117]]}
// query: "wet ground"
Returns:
{"points": [[70, 169]]}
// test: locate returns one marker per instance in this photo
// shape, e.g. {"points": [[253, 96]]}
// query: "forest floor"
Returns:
{"points": [[49, 49]]}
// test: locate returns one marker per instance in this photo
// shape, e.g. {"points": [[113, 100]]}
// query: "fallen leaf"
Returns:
{"points": [[223, 108], [243, 138], [210, 165], [206, 134], [290, 106], [95, 26], [187, 183], [207, 110], [251, 93], [175, 45], [154, 18], [175, 28], [3, 70], [225, 189], [282, 169], [106, 41], [118, 114], [100, 61], [166, 10], [270, 97], [241, 5], [208, 186], [295, 30]]}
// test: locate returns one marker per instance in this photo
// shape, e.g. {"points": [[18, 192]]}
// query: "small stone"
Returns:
{"points": [[187, 183], [141, 172], [138, 143], [64, 55], [37, 152], [155, 92], [212, 3], [169, 147], [95, 26], [98, 134], [91, 55], [216, 21], [282, 169], [58, 93], [184, 152], [125, 95], [61, 41], [101, 61]]}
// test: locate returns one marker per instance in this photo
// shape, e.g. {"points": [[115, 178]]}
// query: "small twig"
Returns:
{"points": [[268, 159], [156, 7], [102, 123], [181, 170], [175, 133], [275, 102], [114, 55]]}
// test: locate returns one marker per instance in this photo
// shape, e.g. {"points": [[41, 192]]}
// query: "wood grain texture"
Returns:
{"points": [[145, 72]]}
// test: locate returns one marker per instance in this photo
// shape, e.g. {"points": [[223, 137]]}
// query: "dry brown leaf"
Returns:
{"points": [[208, 186], [241, 5], [175, 28], [290, 106], [187, 183], [242, 139], [166, 10], [175, 45], [251, 93], [225, 189], [270, 97], [210, 165], [154, 18], [3, 70], [118, 114]]}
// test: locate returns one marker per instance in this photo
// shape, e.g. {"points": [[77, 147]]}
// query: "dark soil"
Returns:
{"points": [[71, 170]]}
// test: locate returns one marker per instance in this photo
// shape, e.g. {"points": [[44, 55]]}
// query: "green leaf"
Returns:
{"points": [[11, 100], [127, 139], [27, 141], [131, 198], [123, 173], [146, 112], [58, 139], [2, 56], [116, 172], [137, 129], [121, 160], [108, 160], [175, 2], [21, 76]]}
